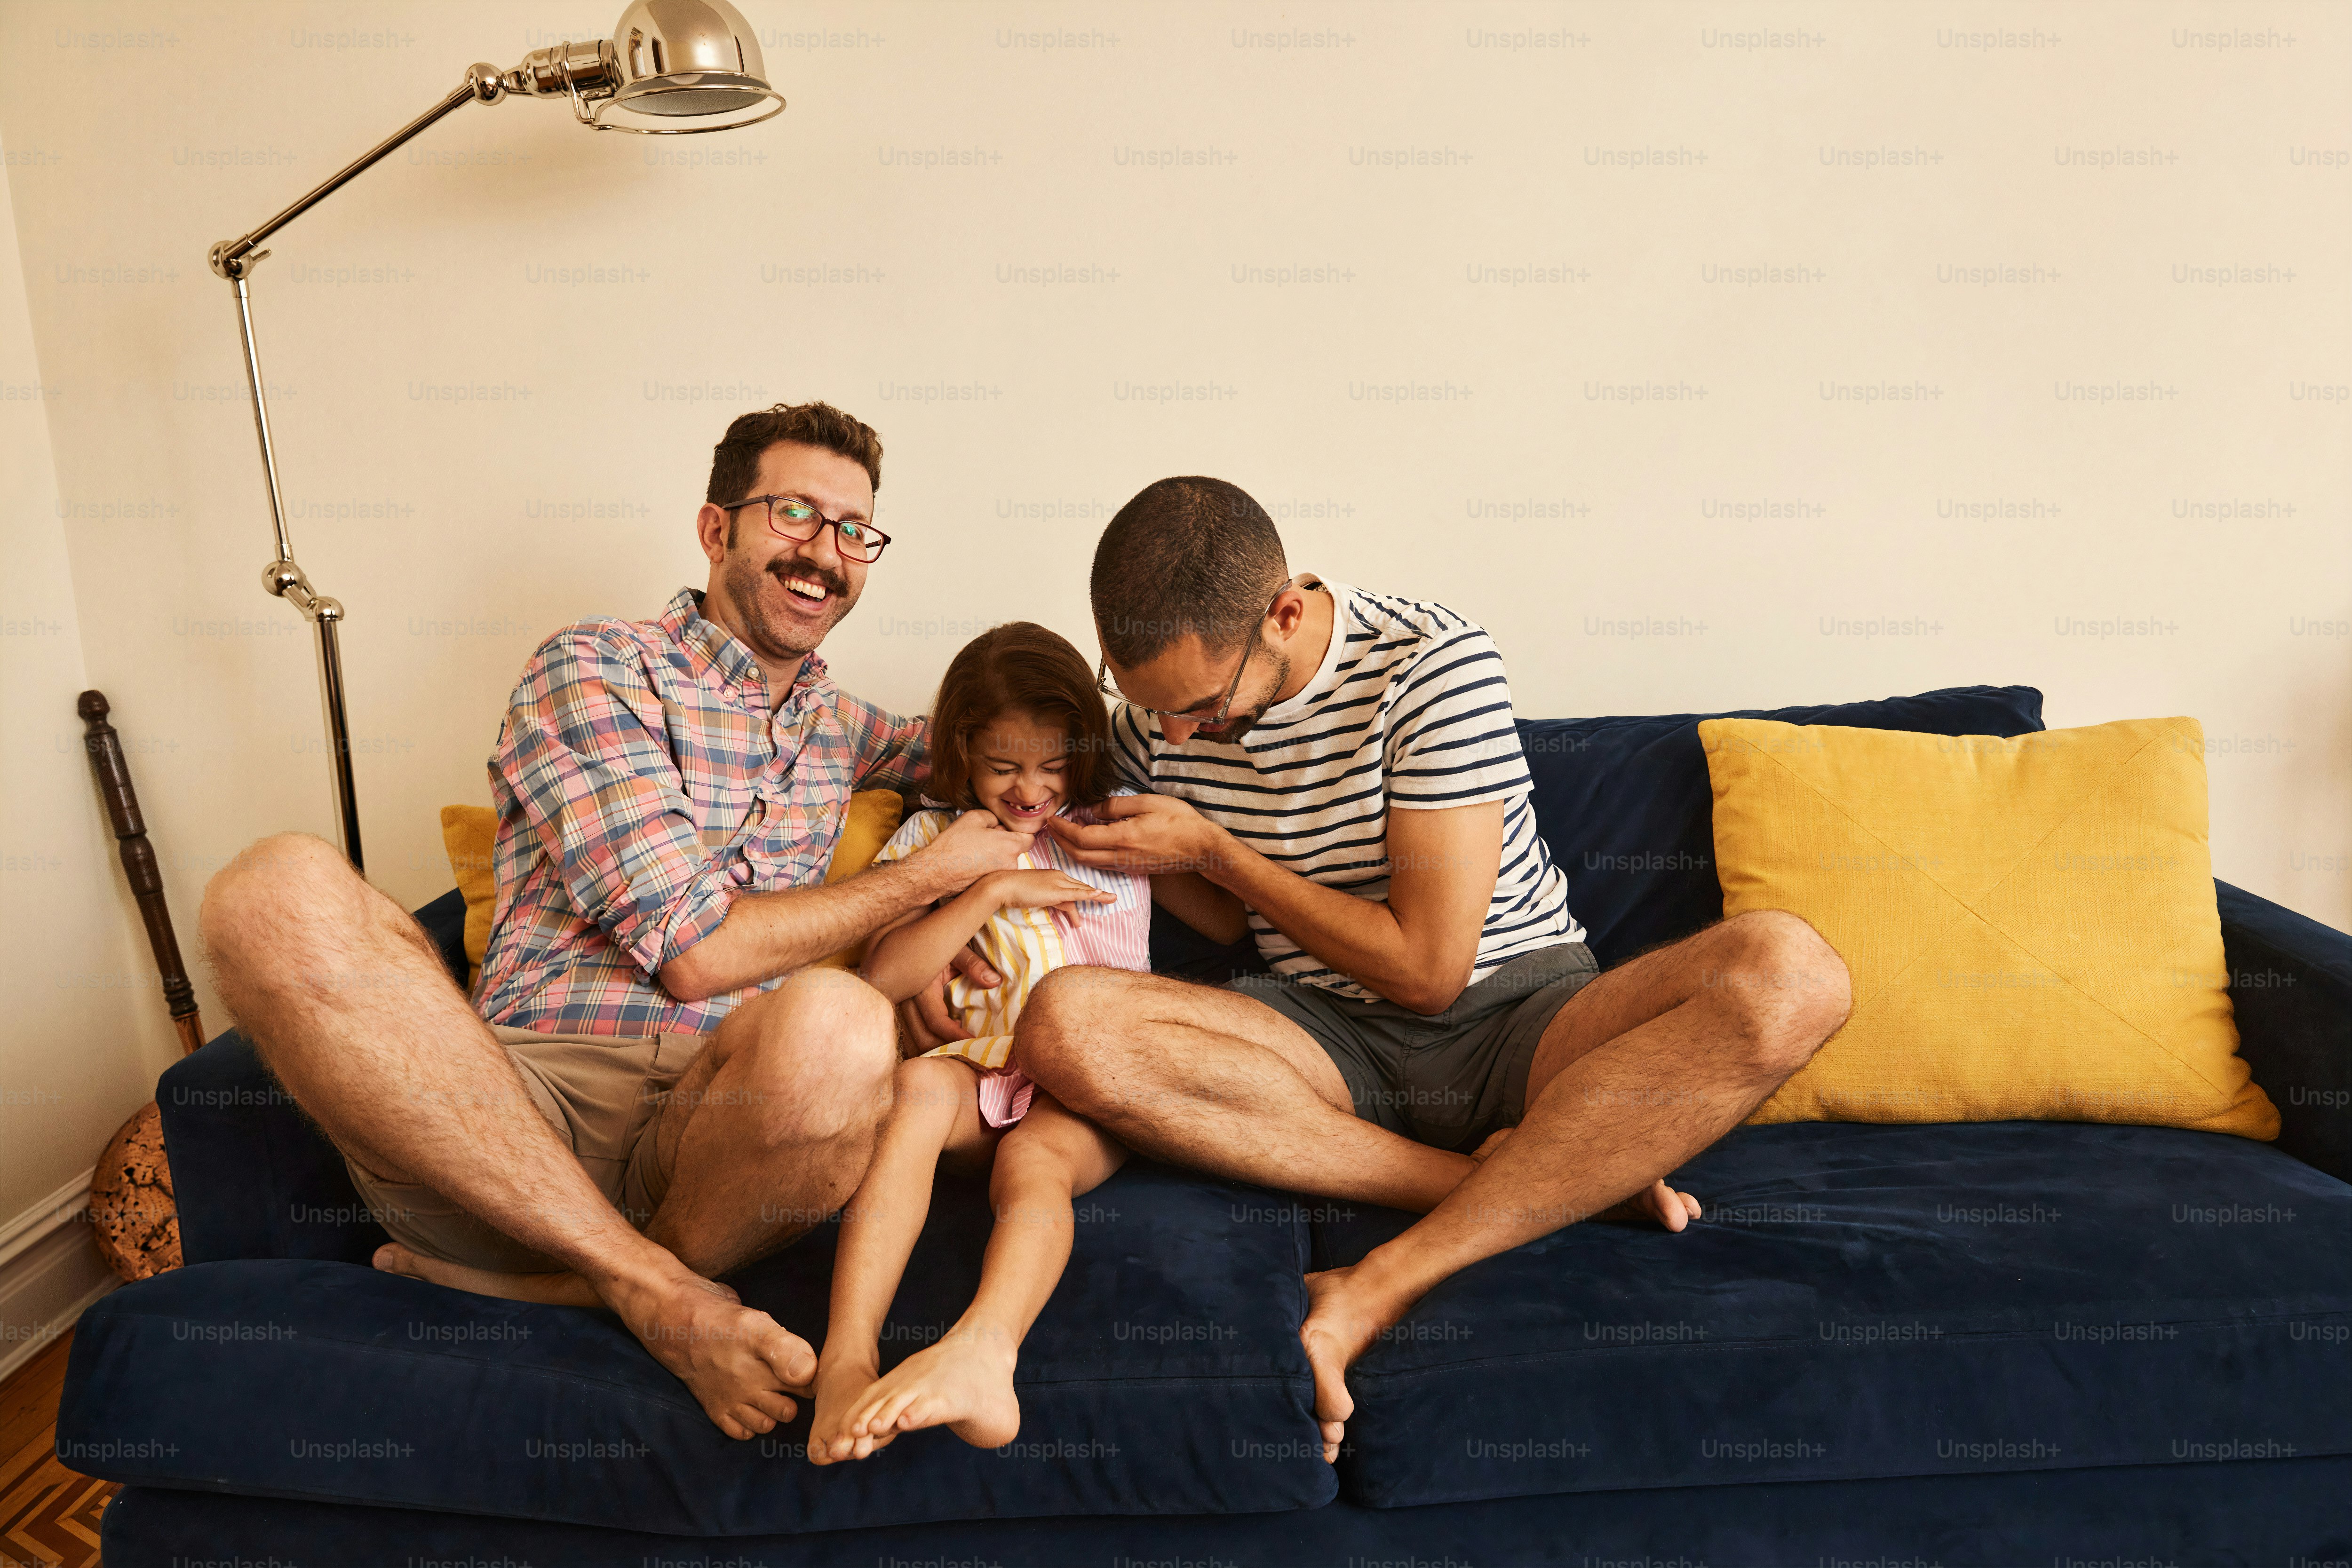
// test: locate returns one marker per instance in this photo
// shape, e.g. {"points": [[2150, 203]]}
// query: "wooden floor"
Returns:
{"points": [[47, 1513]]}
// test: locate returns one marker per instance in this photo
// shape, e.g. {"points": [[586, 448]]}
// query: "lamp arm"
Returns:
{"points": [[233, 260], [590, 71]]}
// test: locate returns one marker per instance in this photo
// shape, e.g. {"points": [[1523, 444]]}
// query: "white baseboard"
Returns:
{"points": [[48, 1278], [65, 1204]]}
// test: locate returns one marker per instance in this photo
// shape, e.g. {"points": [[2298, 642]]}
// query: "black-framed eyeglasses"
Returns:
{"points": [[792, 517], [1109, 688]]}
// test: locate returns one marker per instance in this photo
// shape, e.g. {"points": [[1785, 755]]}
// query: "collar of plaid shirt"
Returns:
{"points": [[642, 785]]}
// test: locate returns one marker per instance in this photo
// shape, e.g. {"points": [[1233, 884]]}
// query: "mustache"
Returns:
{"points": [[809, 571]]}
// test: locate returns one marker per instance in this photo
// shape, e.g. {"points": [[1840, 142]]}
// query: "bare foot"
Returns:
{"points": [[840, 1380], [563, 1288], [737, 1361], [1339, 1326], [1658, 1202], [964, 1383]]}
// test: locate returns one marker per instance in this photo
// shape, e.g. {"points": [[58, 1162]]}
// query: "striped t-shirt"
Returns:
{"points": [[1409, 709]]}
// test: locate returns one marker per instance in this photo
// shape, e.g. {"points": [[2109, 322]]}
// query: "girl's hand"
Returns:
{"points": [[1045, 890]]}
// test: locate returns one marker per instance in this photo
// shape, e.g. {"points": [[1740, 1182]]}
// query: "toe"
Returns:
{"points": [[788, 1356], [775, 1406]]}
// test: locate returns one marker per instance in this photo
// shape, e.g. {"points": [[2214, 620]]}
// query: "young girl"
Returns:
{"points": [[1019, 730]]}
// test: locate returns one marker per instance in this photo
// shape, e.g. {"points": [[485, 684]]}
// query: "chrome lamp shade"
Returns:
{"points": [[672, 68], [669, 60]]}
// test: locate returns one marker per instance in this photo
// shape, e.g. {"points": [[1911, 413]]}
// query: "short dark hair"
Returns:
{"points": [[1020, 667], [735, 461], [1188, 557]]}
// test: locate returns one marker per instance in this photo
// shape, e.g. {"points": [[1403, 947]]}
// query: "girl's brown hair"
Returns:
{"points": [[1020, 667]]}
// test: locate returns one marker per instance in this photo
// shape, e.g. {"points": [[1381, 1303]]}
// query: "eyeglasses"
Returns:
{"points": [[1105, 684], [790, 518]]}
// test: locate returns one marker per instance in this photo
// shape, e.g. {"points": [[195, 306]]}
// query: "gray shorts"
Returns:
{"points": [[1446, 1078]]}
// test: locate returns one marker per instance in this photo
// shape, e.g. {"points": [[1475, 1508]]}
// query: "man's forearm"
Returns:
{"points": [[770, 933], [1360, 937], [1202, 904]]}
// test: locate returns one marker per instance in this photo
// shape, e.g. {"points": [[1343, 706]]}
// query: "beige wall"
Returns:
{"points": [[85, 1031], [1377, 262]]}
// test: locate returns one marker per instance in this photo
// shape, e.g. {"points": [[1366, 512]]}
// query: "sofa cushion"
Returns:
{"points": [[1879, 1300], [1624, 806], [1164, 1376], [2271, 1512], [254, 1178]]}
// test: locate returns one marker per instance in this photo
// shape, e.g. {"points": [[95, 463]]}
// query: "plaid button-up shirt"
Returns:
{"points": [[641, 784]]}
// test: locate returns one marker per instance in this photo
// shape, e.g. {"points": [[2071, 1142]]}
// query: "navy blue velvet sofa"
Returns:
{"points": [[2003, 1344]]}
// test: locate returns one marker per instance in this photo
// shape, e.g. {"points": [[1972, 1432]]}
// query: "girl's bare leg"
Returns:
{"points": [[965, 1382], [935, 1110]]}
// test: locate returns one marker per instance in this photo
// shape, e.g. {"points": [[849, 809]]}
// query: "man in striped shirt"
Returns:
{"points": [[1340, 773]]}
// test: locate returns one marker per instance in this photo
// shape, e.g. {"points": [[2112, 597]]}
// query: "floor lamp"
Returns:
{"points": [[667, 61]]}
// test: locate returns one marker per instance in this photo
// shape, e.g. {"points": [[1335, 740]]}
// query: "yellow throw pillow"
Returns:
{"points": [[872, 818], [2030, 922], [468, 832]]}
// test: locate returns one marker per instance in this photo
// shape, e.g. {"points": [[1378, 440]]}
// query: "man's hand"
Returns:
{"points": [[924, 1021], [1145, 834], [968, 849]]}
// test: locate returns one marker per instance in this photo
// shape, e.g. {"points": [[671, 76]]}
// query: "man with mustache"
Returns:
{"points": [[656, 1088]]}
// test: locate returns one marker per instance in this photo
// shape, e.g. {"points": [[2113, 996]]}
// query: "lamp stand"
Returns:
{"points": [[233, 260], [671, 61]]}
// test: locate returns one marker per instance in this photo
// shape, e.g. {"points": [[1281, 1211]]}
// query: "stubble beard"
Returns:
{"points": [[746, 583], [1240, 725]]}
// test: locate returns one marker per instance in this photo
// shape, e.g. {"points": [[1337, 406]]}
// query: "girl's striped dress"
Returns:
{"points": [[1024, 946]]}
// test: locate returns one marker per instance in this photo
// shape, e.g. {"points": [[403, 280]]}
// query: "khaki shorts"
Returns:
{"points": [[603, 1095]]}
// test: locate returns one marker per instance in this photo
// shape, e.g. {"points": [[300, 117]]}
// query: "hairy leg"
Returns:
{"points": [[561, 1289], [964, 1383], [772, 1127], [345, 998], [935, 1108], [1219, 1083], [764, 1135], [1642, 1069], [1658, 1203]]}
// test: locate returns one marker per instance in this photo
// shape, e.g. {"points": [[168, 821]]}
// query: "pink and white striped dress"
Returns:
{"points": [[1024, 946]]}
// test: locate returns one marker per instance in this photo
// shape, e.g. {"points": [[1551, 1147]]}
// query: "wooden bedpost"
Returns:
{"points": [[132, 1206], [113, 771]]}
